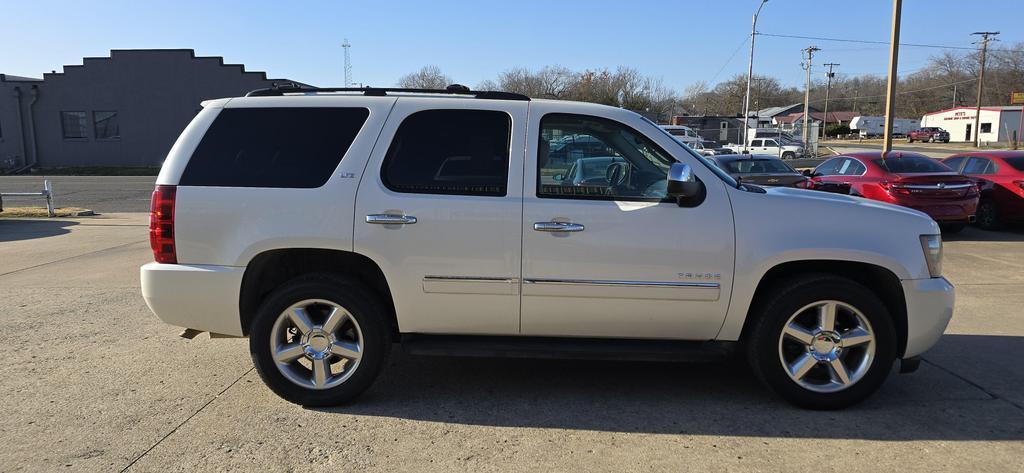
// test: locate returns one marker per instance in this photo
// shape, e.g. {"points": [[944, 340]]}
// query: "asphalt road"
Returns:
{"points": [[938, 150], [99, 193], [92, 381]]}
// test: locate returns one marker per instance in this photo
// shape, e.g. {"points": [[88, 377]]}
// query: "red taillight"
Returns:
{"points": [[894, 188], [161, 225], [806, 184]]}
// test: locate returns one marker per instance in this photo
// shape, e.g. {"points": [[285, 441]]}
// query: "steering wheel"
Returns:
{"points": [[617, 173]]}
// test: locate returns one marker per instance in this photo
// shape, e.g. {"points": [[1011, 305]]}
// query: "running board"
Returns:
{"points": [[566, 348]]}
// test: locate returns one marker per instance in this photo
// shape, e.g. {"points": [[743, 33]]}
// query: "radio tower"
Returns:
{"points": [[348, 63]]}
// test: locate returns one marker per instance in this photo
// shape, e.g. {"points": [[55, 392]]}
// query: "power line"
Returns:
{"points": [[728, 61], [906, 91], [847, 40]]}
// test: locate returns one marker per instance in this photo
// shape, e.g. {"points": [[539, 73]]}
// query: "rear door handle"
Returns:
{"points": [[390, 219], [558, 227]]}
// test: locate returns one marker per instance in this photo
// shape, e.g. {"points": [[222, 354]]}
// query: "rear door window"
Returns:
{"points": [[273, 147], [460, 152]]}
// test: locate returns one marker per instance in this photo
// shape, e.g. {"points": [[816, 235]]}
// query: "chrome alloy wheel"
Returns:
{"points": [[316, 344], [827, 346]]}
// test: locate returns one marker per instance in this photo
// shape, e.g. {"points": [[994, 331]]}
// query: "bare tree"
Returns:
{"points": [[429, 77]]}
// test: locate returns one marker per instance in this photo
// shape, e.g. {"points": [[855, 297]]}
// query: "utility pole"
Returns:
{"points": [[890, 85], [750, 73], [954, 96], [810, 50], [981, 82], [856, 95], [348, 63], [828, 86]]}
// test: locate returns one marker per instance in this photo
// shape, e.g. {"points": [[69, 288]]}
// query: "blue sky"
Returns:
{"points": [[680, 41]]}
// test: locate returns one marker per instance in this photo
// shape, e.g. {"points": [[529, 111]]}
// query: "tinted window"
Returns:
{"points": [[828, 168], [1016, 163], [273, 147], [464, 152], [979, 166], [954, 163], [911, 164], [625, 165]]}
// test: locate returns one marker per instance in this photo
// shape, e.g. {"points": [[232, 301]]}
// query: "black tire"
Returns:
{"points": [[788, 155], [952, 228], [910, 140], [988, 215], [362, 304], [785, 299]]}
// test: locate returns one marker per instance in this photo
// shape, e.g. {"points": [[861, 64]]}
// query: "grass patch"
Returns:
{"points": [[37, 212], [99, 171]]}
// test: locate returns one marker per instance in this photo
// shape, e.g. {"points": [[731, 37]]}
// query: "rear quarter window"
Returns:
{"points": [[273, 147], [1016, 163]]}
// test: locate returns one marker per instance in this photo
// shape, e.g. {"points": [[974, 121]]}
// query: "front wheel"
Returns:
{"points": [[910, 140], [988, 217], [822, 342], [788, 155], [319, 340]]}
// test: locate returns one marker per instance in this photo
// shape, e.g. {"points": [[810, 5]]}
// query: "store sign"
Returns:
{"points": [[1017, 98]]}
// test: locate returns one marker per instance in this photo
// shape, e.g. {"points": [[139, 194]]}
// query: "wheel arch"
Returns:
{"points": [[880, 280], [271, 268]]}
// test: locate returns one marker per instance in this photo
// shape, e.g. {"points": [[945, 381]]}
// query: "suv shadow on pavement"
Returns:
{"points": [[16, 229], [1010, 233], [694, 399]]}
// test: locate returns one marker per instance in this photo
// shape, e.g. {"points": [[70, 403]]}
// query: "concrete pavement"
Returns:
{"points": [[93, 382]]}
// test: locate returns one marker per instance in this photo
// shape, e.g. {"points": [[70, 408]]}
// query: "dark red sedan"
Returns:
{"points": [[907, 179], [1000, 175]]}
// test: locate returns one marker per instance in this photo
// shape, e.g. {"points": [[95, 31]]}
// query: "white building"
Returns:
{"points": [[997, 123]]}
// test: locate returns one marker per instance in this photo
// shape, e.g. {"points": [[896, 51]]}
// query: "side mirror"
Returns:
{"points": [[683, 186]]}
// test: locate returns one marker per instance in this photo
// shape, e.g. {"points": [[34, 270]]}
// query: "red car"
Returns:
{"points": [[907, 179], [1000, 175]]}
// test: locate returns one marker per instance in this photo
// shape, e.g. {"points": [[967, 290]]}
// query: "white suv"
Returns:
{"points": [[326, 224]]}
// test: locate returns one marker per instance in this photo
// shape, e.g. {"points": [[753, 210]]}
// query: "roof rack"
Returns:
{"points": [[454, 89]]}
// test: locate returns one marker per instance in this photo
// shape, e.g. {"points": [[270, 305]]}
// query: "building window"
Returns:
{"points": [[986, 128], [106, 125], [73, 124]]}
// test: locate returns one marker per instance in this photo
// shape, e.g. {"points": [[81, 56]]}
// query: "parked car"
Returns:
{"points": [[683, 133], [907, 179], [708, 148], [768, 146], [324, 225], [928, 133], [760, 169], [1000, 176], [572, 147]]}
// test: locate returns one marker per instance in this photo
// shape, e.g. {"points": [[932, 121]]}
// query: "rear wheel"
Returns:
{"points": [[822, 342], [988, 217], [319, 340]]}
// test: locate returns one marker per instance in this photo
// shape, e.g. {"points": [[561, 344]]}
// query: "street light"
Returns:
{"points": [[750, 73]]}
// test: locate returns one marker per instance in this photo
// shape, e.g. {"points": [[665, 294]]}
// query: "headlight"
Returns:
{"points": [[932, 246]]}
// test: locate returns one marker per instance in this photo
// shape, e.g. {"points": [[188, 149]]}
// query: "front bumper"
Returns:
{"points": [[929, 309], [200, 297]]}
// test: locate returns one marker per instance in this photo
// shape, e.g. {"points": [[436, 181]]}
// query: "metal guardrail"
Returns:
{"points": [[46, 193]]}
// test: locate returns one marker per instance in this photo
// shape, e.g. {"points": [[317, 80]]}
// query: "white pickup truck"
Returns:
{"points": [[770, 146], [326, 224]]}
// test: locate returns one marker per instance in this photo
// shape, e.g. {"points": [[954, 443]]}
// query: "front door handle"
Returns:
{"points": [[390, 219], [560, 227]]}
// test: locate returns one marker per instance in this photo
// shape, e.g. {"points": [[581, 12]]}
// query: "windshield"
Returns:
{"points": [[911, 165], [715, 169], [758, 166]]}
